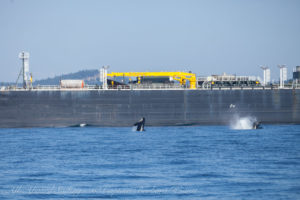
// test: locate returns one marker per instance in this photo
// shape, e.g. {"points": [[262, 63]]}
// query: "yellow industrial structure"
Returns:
{"points": [[182, 77]]}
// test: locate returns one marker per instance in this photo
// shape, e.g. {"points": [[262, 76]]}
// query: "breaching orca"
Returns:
{"points": [[140, 125], [256, 125]]}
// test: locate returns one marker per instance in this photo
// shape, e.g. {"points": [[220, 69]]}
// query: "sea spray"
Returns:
{"points": [[133, 128], [242, 123]]}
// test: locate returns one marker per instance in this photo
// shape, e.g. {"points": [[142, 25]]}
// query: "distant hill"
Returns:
{"points": [[90, 77]]}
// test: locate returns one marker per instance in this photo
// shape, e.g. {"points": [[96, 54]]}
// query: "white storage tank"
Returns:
{"points": [[71, 83]]}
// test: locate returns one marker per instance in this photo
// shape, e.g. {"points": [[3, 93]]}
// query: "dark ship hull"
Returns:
{"points": [[62, 108]]}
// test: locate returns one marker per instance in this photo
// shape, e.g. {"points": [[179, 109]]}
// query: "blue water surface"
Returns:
{"points": [[201, 162]]}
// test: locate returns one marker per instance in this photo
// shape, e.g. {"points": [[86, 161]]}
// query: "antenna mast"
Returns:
{"points": [[24, 56]]}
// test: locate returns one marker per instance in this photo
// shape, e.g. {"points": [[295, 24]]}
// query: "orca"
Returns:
{"points": [[140, 125], [256, 125]]}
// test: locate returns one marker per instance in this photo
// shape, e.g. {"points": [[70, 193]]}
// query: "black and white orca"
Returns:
{"points": [[140, 125], [256, 125]]}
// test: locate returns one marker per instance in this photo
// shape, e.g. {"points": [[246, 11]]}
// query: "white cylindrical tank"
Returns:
{"points": [[71, 83]]}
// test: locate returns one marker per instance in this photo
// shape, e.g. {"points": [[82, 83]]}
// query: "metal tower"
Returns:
{"points": [[283, 75], [103, 76], [267, 75], [24, 56]]}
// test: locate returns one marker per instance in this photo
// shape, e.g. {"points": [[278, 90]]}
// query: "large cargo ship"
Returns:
{"points": [[155, 96]]}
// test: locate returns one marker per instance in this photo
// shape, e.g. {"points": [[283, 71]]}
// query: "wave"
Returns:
{"points": [[81, 125]]}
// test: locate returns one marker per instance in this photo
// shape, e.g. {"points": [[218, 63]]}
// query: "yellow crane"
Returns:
{"points": [[182, 77]]}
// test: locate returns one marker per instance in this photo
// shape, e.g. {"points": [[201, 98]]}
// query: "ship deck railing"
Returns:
{"points": [[228, 78], [145, 87]]}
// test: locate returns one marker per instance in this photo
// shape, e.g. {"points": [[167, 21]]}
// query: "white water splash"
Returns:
{"points": [[82, 125], [133, 129], [242, 123]]}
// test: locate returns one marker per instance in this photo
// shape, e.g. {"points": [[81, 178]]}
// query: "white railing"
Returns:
{"points": [[228, 78], [146, 87]]}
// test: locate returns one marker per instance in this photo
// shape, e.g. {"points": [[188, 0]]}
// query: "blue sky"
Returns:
{"points": [[206, 37]]}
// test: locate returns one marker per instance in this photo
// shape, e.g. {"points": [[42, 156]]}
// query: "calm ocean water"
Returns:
{"points": [[203, 162]]}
